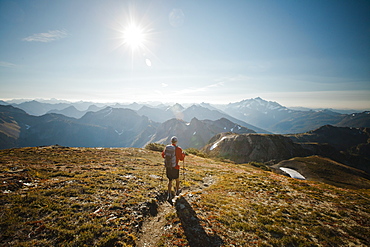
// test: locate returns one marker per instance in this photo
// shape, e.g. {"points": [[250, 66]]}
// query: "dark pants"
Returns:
{"points": [[172, 173]]}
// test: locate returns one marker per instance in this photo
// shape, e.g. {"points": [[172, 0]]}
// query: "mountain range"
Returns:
{"points": [[195, 133], [219, 131], [278, 119], [109, 127], [90, 124], [257, 114]]}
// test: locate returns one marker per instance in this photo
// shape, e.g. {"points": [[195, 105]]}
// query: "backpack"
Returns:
{"points": [[170, 156]]}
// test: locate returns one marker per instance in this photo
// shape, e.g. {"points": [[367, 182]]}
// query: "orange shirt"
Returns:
{"points": [[179, 156]]}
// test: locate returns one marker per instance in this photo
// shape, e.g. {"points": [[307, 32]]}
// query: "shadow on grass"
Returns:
{"points": [[195, 233]]}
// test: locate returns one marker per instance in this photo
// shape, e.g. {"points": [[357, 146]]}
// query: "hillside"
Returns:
{"points": [[60, 196], [349, 146], [316, 168], [342, 138], [242, 148], [356, 120]]}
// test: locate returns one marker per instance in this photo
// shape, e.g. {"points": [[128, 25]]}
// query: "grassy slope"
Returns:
{"points": [[56, 196]]}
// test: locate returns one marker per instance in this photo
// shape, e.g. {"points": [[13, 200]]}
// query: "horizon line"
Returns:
{"points": [[107, 103]]}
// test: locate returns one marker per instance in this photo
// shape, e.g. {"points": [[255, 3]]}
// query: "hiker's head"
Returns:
{"points": [[174, 139]]}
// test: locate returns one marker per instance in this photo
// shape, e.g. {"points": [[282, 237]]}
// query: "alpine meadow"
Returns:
{"points": [[149, 123]]}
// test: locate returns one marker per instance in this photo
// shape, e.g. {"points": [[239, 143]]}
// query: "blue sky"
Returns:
{"points": [[298, 53]]}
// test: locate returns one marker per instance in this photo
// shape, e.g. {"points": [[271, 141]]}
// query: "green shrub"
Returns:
{"points": [[260, 165], [155, 147], [196, 152]]}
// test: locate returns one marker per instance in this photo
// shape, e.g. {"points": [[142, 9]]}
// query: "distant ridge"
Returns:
{"points": [[258, 114], [70, 111], [280, 120]]}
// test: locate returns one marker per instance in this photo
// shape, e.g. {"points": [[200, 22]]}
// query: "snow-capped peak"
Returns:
{"points": [[258, 104]]}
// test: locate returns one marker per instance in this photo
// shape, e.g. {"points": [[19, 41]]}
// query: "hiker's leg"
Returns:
{"points": [[177, 185], [169, 187]]}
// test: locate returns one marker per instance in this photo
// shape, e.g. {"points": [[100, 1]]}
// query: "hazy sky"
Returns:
{"points": [[312, 53]]}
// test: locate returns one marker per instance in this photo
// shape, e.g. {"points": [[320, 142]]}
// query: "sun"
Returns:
{"points": [[134, 36]]}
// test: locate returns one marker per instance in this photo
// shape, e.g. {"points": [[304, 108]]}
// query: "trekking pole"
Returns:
{"points": [[183, 164], [162, 176]]}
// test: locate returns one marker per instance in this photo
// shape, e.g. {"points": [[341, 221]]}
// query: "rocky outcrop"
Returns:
{"points": [[348, 146], [245, 148]]}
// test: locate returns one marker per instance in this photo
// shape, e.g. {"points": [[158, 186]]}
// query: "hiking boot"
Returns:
{"points": [[178, 192], [169, 197]]}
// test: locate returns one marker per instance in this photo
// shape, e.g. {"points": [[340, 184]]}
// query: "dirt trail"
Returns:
{"points": [[156, 226]]}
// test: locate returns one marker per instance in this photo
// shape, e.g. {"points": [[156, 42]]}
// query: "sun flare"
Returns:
{"points": [[134, 36]]}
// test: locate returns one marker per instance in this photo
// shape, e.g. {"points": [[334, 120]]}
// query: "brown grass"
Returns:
{"points": [[56, 196]]}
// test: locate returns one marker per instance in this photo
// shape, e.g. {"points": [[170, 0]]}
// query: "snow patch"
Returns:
{"points": [[259, 100], [154, 176], [119, 133], [216, 144], [110, 111], [249, 139], [273, 107], [293, 173]]}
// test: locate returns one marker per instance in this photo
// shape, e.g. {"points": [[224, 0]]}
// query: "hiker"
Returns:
{"points": [[173, 169]]}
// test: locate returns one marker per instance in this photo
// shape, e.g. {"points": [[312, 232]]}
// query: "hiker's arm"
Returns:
{"points": [[180, 154]]}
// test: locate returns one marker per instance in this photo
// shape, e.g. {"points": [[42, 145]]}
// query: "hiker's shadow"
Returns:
{"points": [[195, 233]]}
